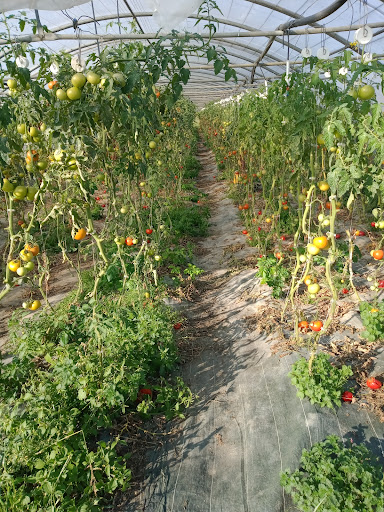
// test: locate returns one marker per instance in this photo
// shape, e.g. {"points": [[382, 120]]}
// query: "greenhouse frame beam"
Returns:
{"points": [[293, 14], [150, 14], [300, 21], [33, 38]]}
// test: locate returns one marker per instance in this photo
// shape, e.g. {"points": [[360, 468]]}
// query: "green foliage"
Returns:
{"points": [[319, 381], [189, 220], [336, 478], [373, 321], [273, 273], [192, 167], [74, 371]]}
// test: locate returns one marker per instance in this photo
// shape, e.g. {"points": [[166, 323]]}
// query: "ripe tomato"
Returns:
{"points": [[149, 231], [52, 84], [304, 326], [373, 224], [143, 393], [337, 236], [246, 206], [129, 241], [309, 280], [347, 396], [36, 304], [283, 238], [80, 235], [381, 283], [323, 186], [378, 254], [316, 325], [321, 242], [240, 207], [33, 248], [345, 291], [13, 265], [177, 326], [245, 232], [373, 383], [278, 255]]}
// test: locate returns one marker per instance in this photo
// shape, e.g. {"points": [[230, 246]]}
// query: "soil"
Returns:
{"points": [[247, 424]]}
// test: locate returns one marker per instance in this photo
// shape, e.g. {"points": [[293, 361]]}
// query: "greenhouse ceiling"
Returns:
{"points": [[259, 36]]}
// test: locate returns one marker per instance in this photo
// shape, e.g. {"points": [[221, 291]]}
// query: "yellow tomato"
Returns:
{"points": [[80, 235], [36, 304], [14, 265], [321, 242], [313, 289], [268, 220], [312, 249], [323, 186], [26, 255]]}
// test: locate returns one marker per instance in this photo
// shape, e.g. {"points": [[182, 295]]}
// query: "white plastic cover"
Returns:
{"points": [[169, 13], [47, 5]]}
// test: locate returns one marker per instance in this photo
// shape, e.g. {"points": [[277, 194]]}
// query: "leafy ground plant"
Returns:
{"points": [[336, 478], [273, 274], [319, 381], [372, 316]]}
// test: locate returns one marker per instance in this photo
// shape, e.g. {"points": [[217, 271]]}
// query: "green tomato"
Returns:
{"points": [[124, 209], [43, 127], [33, 131], [61, 95], [326, 222], [366, 92], [74, 93], [20, 192], [152, 144], [302, 258], [29, 266], [93, 78], [21, 271], [7, 186], [119, 78], [22, 128], [312, 249], [78, 80], [135, 241], [32, 191], [302, 198], [42, 165], [157, 257], [120, 240], [12, 84], [320, 217]]}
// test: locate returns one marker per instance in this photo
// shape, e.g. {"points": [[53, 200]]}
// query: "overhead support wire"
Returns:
{"points": [[32, 38], [289, 25]]}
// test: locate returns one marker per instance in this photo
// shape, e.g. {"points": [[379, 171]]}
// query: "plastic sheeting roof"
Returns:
{"points": [[237, 16]]}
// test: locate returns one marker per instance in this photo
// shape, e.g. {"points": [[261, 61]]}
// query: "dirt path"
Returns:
{"points": [[247, 425]]}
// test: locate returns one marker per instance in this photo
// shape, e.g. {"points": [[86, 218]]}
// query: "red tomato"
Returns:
{"points": [[246, 206], [177, 326], [240, 207], [373, 383], [143, 393], [337, 236], [245, 232], [316, 325], [259, 212], [381, 283], [283, 237], [149, 231], [303, 325], [373, 224], [347, 396], [345, 291], [259, 228], [129, 241]]}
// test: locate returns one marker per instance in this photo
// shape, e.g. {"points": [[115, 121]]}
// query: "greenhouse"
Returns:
{"points": [[192, 249]]}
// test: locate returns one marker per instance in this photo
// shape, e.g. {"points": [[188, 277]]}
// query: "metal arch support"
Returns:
{"points": [[300, 21], [136, 15], [295, 15]]}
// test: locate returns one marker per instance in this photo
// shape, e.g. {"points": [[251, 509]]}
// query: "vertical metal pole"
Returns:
{"points": [[94, 18], [39, 26]]}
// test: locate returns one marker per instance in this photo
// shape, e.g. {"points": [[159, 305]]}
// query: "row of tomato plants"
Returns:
{"points": [[305, 163], [98, 170]]}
